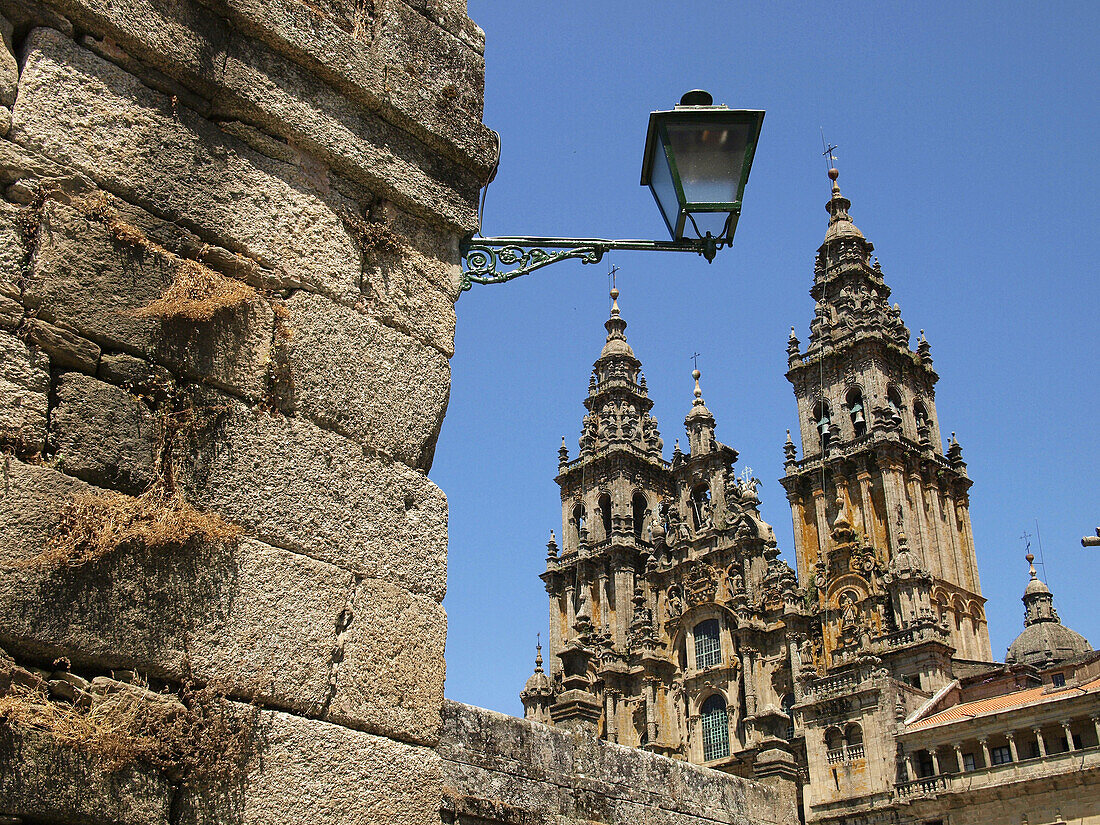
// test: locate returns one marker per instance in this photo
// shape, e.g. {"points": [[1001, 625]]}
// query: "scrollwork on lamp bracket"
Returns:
{"points": [[487, 260]]}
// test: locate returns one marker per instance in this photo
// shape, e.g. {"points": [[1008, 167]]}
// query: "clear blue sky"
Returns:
{"points": [[967, 137]]}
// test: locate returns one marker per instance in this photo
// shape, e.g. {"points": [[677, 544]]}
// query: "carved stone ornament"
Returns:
{"points": [[700, 582]]}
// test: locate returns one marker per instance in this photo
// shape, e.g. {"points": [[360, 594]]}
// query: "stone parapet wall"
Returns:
{"points": [[312, 166], [498, 770]]}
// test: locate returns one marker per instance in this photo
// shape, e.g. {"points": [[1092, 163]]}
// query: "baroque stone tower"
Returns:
{"points": [[667, 590], [875, 495]]}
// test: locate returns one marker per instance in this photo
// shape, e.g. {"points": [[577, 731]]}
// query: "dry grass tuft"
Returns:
{"points": [[95, 525], [127, 233], [191, 738], [198, 293], [372, 237], [115, 729]]}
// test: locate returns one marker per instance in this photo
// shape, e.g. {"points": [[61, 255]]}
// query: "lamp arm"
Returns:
{"points": [[482, 258]]}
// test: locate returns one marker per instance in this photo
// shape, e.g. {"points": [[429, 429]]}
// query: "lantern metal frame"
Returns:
{"points": [[658, 140]]}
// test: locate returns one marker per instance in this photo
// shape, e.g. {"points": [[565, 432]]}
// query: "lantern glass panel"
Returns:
{"points": [[665, 191], [709, 158]]}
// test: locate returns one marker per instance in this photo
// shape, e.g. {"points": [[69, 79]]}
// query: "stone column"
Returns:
{"points": [[798, 520], [968, 537], [624, 592], [1096, 724], [650, 693], [1011, 736], [928, 549], [611, 726], [984, 742], [554, 643], [748, 666], [959, 757], [864, 480], [1042, 742], [570, 617], [822, 523], [605, 601], [893, 489], [910, 769], [1069, 736], [695, 739], [935, 761], [796, 664]]}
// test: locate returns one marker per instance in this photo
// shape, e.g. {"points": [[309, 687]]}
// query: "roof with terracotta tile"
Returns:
{"points": [[996, 704]]}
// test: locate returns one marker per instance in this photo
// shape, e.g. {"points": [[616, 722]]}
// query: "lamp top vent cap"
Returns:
{"points": [[697, 97]]}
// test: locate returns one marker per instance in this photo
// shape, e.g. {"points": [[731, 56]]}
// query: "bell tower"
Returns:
{"points": [[874, 482], [610, 497]]}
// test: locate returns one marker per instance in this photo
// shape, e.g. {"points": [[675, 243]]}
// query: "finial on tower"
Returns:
{"points": [[698, 392], [614, 301], [790, 452], [1030, 558], [538, 653]]}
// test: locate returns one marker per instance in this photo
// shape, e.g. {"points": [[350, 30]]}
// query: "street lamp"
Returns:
{"points": [[696, 162]]}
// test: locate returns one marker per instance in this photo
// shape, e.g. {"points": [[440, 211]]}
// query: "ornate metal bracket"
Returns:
{"points": [[485, 260]]}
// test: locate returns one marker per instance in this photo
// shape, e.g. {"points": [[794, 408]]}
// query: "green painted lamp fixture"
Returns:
{"points": [[696, 162]]}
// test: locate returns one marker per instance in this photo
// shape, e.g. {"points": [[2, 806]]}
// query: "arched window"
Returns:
{"points": [[853, 739], [639, 506], [834, 745], [604, 503], [823, 420], [856, 412], [787, 703], [893, 403], [578, 518], [716, 728], [708, 645], [920, 414]]}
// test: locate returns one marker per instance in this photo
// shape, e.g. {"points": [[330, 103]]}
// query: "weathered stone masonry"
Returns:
{"points": [[328, 155]]}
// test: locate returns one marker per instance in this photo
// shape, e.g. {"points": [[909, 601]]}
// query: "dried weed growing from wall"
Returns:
{"points": [[197, 292], [95, 525], [189, 737]]}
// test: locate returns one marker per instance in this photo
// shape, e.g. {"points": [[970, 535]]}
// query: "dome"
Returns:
{"points": [[538, 687], [840, 222], [538, 682], [1046, 643], [1036, 586], [616, 345], [1045, 640]]}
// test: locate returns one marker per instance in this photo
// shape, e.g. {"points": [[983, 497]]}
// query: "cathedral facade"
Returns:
{"points": [[676, 627]]}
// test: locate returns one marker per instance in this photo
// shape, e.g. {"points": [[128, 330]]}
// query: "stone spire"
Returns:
{"points": [[851, 295], [699, 423], [538, 693], [618, 403], [1045, 640]]}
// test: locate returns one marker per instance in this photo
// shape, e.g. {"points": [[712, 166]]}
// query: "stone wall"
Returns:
{"points": [[498, 770], [314, 163]]}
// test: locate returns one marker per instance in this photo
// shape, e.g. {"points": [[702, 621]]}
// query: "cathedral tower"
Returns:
{"points": [[674, 626], [610, 495], [881, 520]]}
